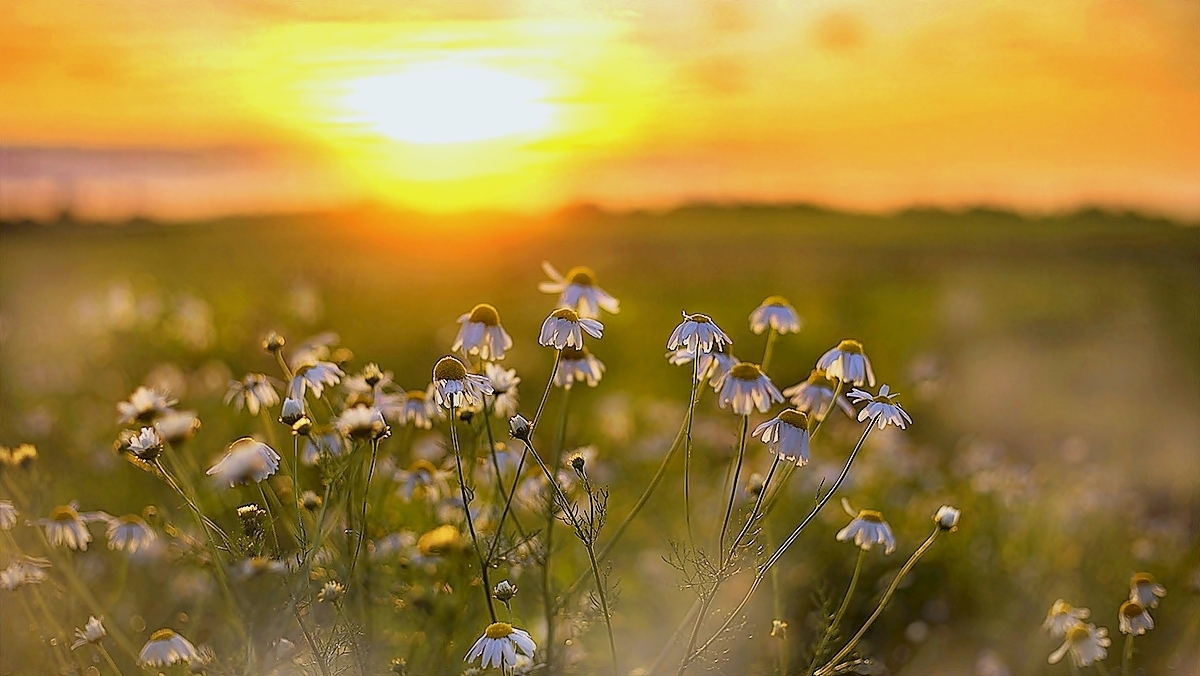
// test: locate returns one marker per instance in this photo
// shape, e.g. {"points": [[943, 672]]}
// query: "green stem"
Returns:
{"points": [[366, 494], [737, 473], [687, 450], [754, 513], [462, 485], [1127, 660], [831, 630], [771, 335], [108, 658], [546, 392]]}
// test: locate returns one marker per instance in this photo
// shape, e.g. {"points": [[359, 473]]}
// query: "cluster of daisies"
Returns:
{"points": [[1088, 644]]}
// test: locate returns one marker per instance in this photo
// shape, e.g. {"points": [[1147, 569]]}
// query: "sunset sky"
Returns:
{"points": [[165, 108]]}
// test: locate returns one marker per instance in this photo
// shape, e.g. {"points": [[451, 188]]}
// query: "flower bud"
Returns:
{"points": [[273, 342], [293, 410], [504, 591], [947, 518], [519, 427]]}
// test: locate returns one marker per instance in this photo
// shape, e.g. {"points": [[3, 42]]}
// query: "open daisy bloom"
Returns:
{"points": [[1085, 643], [91, 632], [255, 392], [747, 388], [144, 405], [868, 529], [847, 363], [499, 646], [455, 387], [362, 422], [504, 388], [787, 435], [165, 648], [698, 333], [578, 291], [880, 408], [565, 328], [775, 313], [1134, 619], [482, 334], [812, 396], [68, 528], [578, 364], [1063, 616], [245, 461], [129, 533]]}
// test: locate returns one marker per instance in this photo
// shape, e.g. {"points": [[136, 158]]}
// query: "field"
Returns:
{"points": [[1050, 366]]}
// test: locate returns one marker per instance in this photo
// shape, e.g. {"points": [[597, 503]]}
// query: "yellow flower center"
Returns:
{"points": [[484, 314], [850, 347], [1142, 578], [1078, 634], [746, 371], [574, 354], [817, 379], [870, 515], [794, 418], [449, 368], [1131, 609], [699, 319], [582, 276], [64, 513], [419, 395], [779, 301], [565, 313], [422, 465], [162, 635], [498, 630]]}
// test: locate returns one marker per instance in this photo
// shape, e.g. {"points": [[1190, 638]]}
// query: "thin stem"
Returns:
{"points": [[754, 513], [549, 602], [270, 518], [687, 451], [462, 485], [108, 658], [362, 522], [507, 507], [296, 491], [505, 495], [318, 655], [612, 644], [831, 630], [887, 596], [771, 335], [737, 473], [546, 392], [1127, 660]]}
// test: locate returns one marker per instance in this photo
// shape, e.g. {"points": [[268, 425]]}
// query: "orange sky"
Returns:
{"points": [[177, 109]]}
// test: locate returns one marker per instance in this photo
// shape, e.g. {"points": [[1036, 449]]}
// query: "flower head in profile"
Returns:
{"points": [[812, 396], [747, 388], [867, 529], [787, 435], [255, 392], [499, 646], [482, 334], [22, 571], [245, 461], [504, 389], [363, 422], [176, 427], [8, 515], [1145, 591], [1085, 643], [165, 648], [1134, 619], [92, 632], [1062, 616], [775, 313], [698, 333], [880, 408], [316, 377], [565, 328], [847, 363], [143, 406], [129, 533], [422, 480], [578, 365], [415, 407], [578, 291], [146, 444], [66, 527], [455, 387]]}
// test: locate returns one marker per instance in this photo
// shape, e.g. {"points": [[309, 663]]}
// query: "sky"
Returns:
{"points": [[172, 109]]}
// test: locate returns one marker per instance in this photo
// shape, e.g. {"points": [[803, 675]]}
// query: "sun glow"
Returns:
{"points": [[445, 102]]}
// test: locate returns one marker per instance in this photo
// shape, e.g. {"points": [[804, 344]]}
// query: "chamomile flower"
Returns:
{"points": [[499, 646], [331, 592], [362, 422], [578, 291], [786, 435], [775, 313], [565, 328], [165, 648], [1085, 643], [747, 388], [68, 528], [316, 377], [698, 333], [482, 334], [1134, 619], [1062, 616], [813, 395], [847, 363], [424, 480], [880, 408], [417, 408], [146, 444], [868, 529], [8, 515], [245, 461], [129, 533], [578, 364], [176, 427], [713, 365], [455, 387], [504, 389], [255, 392], [144, 405], [1145, 591], [92, 632], [22, 571], [947, 518], [292, 411]]}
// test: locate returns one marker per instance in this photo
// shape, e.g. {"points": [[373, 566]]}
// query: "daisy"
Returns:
{"points": [[8, 515], [245, 461], [146, 445], [362, 422], [91, 632], [1086, 644], [1134, 619], [880, 408], [499, 645], [747, 388], [847, 363], [482, 334], [255, 392], [775, 313], [812, 396], [316, 377], [176, 427], [1063, 616], [419, 408], [947, 518], [698, 333], [1145, 591], [504, 388], [143, 405], [165, 648], [371, 380], [129, 533], [424, 480], [578, 365], [578, 291], [454, 387], [292, 411], [786, 435], [564, 328], [23, 571], [869, 529], [713, 365], [68, 528], [331, 592]]}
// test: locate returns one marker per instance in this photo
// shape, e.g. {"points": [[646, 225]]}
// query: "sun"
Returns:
{"points": [[444, 102]]}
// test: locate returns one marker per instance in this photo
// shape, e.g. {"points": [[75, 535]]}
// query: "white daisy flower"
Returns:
{"points": [[1086, 644], [847, 363], [245, 461], [1144, 591], [698, 333], [417, 408], [146, 444], [880, 408], [504, 389], [8, 515], [177, 426], [316, 377], [455, 387], [482, 334], [578, 365], [786, 435], [947, 518], [713, 365], [313, 350], [747, 388], [812, 396], [292, 411], [371, 380], [1134, 619], [165, 648], [423, 480], [499, 646], [869, 529], [22, 571], [129, 533], [91, 632], [578, 291], [775, 313], [565, 328], [68, 528], [1063, 616], [144, 405], [362, 422], [255, 392]]}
